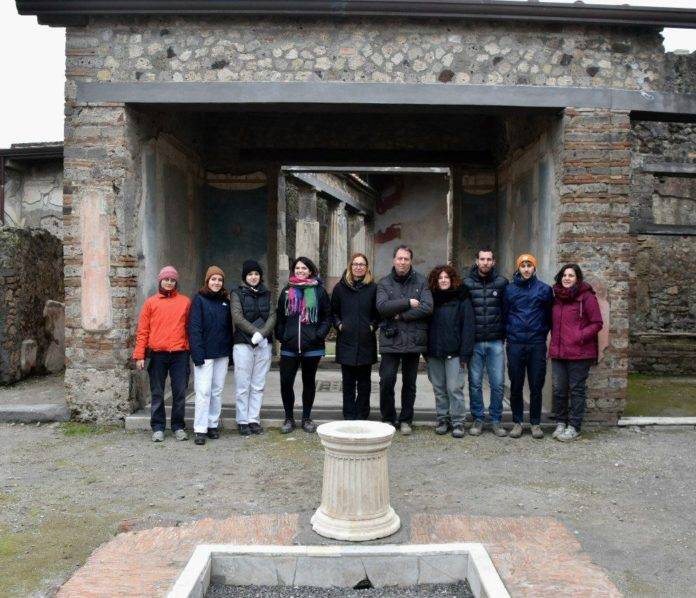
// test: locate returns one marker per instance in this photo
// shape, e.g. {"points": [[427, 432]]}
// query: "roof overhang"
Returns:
{"points": [[30, 152], [77, 12]]}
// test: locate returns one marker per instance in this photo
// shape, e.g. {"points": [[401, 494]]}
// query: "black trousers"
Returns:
{"points": [[570, 386], [176, 364], [288, 372], [529, 361], [388, 368], [356, 377]]}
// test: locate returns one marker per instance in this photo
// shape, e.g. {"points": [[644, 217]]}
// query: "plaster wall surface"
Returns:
{"points": [[413, 212], [34, 196]]}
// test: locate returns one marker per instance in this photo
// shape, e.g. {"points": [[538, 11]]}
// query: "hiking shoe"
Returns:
{"points": [[158, 436], [458, 430], [537, 432], [560, 428], [309, 426], [213, 433], [476, 427], [244, 429], [498, 430], [405, 429], [256, 428], [569, 434], [288, 426], [442, 427], [181, 434], [199, 438], [516, 431]]}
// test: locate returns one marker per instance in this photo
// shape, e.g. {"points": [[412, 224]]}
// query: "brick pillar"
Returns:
{"points": [[593, 231], [100, 262]]}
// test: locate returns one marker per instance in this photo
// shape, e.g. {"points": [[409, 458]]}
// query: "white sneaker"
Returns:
{"points": [[560, 428], [181, 434], [158, 436], [405, 429], [569, 434]]}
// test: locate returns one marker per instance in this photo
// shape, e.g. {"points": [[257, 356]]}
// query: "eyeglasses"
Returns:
{"points": [[359, 265]]}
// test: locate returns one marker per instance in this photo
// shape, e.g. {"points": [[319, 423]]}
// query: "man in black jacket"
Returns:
{"points": [[404, 302], [486, 288]]}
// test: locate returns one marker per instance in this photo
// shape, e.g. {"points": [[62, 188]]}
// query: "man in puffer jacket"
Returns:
{"points": [[486, 288], [404, 302], [527, 304]]}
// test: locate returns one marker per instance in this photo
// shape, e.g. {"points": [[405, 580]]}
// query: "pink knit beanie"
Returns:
{"points": [[168, 272]]}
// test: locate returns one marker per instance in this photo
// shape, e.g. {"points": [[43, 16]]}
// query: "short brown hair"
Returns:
{"points": [[451, 271]]}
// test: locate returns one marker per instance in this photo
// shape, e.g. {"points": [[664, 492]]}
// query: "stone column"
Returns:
{"points": [[358, 240], [307, 226], [100, 261], [355, 493], [338, 244], [593, 231], [281, 235]]}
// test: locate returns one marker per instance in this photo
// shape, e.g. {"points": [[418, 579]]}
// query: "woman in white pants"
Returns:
{"points": [[254, 319], [210, 338]]}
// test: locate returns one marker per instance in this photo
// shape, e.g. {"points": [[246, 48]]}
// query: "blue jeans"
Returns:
{"points": [[490, 354], [447, 377], [529, 361]]}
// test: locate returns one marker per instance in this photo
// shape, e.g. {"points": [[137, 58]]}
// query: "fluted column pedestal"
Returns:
{"points": [[355, 494]]}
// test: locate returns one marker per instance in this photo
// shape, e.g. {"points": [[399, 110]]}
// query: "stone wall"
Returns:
{"points": [[31, 275], [34, 195], [663, 294], [364, 50]]}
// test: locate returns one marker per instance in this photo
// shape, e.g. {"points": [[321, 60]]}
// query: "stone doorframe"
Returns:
{"points": [[101, 265]]}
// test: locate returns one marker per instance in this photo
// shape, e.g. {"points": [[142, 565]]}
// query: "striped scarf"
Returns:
{"points": [[302, 299]]}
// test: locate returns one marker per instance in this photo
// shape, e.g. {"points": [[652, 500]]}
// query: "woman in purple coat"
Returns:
{"points": [[576, 322]]}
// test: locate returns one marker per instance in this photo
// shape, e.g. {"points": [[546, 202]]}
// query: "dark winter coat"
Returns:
{"points": [[527, 311], [403, 329], [252, 311], [210, 328], [452, 326], [576, 321], [487, 299], [296, 337], [356, 319]]}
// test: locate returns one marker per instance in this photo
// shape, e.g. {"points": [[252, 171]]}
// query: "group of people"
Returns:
{"points": [[457, 324]]}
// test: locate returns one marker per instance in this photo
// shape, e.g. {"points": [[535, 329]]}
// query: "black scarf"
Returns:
{"points": [[440, 297], [399, 278]]}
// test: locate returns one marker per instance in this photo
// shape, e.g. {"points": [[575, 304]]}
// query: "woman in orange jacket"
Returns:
{"points": [[162, 332]]}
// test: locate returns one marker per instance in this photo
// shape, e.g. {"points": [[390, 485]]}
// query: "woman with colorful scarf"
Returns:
{"points": [[575, 323], [302, 323]]}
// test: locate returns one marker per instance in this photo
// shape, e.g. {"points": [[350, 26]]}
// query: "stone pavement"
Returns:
{"points": [[37, 399], [535, 556]]}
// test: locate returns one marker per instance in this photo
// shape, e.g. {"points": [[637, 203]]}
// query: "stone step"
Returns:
{"points": [[273, 416]]}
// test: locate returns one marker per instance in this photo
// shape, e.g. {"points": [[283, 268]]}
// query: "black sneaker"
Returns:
{"points": [[199, 438], [308, 425], [458, 430], [442, 427], [288, 426], [213, 433], [244, 429], [255, 428]]}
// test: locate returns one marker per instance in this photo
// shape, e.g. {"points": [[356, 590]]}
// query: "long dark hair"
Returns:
{"points": [[575, 268], [313, 270]]}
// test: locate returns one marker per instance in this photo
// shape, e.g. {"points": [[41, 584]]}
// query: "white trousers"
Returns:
{"points": [[208, 381], [251, 365]]}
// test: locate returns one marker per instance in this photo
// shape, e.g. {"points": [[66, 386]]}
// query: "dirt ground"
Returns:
{"points": [[67, 488]]}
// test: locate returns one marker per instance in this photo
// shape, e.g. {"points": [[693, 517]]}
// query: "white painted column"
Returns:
{"points": [[338, 244], [355, 494], [358, 241], [307, 226]]}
